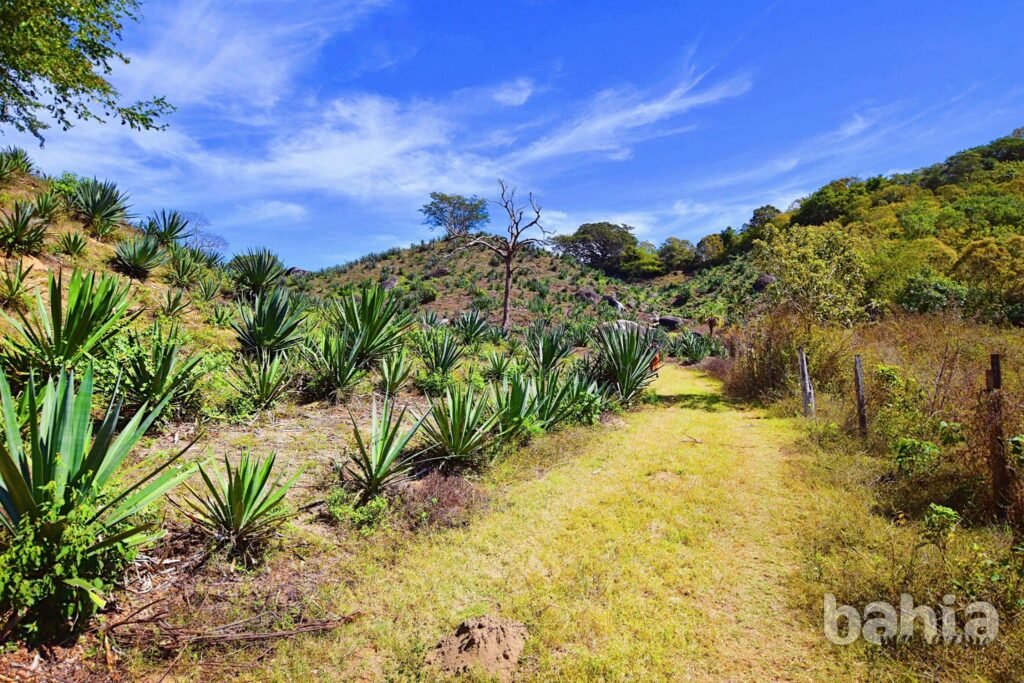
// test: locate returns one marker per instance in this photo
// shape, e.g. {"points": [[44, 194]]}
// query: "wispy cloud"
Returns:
{"points": [[513, 93]]}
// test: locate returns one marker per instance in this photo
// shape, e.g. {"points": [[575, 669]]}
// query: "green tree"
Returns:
{"points": [[455, 213], [677, 254], [55, 59], [641, 260], [710, 249], [759, 222], [599, 245]]}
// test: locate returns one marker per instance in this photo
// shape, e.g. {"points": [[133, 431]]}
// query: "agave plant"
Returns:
{"points": [[261, 380], [459, 424], [61, 468], [690, 346], [243, 509], [100, 205], [375, 319], [626, 361], [71, 244], [394, 371], [472, 326], [515, 404], [498, 366], [13, 286], [333, 360], [208, 289], [564, 398], [222, 316], [547, 347], [74, 327], [166, 227], [273, 325], [138, 256], [428, 320], [185, 267], [163, 376], [45, 206], [381, 460], [174, 303], [15, 160], [21, 232], [256, 271], [441, 352]]}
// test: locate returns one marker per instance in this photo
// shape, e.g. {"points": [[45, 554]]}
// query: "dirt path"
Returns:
{"points": [[657, 549]]}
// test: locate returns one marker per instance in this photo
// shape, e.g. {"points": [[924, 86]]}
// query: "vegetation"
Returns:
{"points": [[139, 256], [381, 460]]}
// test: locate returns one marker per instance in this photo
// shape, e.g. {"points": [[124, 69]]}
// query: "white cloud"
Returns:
{"points": [[270, 211], [513, 93]]}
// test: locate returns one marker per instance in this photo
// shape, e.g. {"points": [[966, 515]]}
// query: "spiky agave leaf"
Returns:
{"points": [[167, 227], [21, 231], [375, 319], [100, 205], [138, 256], [381, 460], [256, 271], [459, 424], [441, 352], [395, 370], [625, 361], [272, 325]]}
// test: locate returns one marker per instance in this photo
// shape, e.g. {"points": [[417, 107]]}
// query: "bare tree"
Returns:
{"points": [[521, 219]]}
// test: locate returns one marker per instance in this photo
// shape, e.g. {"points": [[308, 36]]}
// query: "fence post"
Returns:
{"points": [[1002, 481], [806, 390], [862, 403]]}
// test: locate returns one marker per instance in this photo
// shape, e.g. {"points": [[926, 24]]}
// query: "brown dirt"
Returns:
{"points": [[492, 644]]}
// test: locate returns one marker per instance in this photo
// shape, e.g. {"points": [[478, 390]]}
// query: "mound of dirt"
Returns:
{"points": [[490, 644]]}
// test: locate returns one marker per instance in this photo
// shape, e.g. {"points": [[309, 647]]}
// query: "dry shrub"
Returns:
{"points": [[439, 501]]}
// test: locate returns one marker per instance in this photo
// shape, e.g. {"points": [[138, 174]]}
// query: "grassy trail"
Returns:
{"points": [[659, 549]]}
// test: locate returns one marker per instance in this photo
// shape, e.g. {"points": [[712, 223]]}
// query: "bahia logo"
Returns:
{"points": [[884, 623]]}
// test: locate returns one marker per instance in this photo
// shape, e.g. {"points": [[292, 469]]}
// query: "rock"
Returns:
{"points": [[612, 301], [763, 281], [490, 644], [390, 283], [681, 300], [588, 294], [439, 272], [670, 322], [624, 325]]}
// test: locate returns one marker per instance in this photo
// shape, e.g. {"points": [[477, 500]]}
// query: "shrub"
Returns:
{"points": [[261, 381], [394, 371], [439, 500], [459, 424], [74, 327], [334, 363], [243, 509], [162, 376], [256, 271], [100, 205], [166, 227], [273, 325], [441, 353], [139, 256], [71, 244], [21, 231], [367, 518], [381, 460], [624, 363], [59, 478]]}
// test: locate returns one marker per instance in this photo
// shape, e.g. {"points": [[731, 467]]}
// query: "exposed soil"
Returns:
{"points": [[491, 644]]}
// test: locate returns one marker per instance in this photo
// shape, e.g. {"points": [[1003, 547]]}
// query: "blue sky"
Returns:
{"points": [[319, 128]]}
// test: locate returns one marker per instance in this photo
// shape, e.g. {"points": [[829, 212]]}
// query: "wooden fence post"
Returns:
{"points": [[806, 390], [1002, 479], [862, 402]]}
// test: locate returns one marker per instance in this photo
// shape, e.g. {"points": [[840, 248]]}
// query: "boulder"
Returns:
{"points": [[763, 281], [588, 294], [670, 322], [612, 301], [439, 272], [487, 645], [390, 283]]}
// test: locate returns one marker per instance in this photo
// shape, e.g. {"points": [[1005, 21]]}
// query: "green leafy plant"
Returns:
{"points": [[515, 404], [367, 518], [138, 256], [256, 271], [243, 509], [15, 160], [100, 205], [45, 207], [72, 328], [375, 321], [163, 376], [381, 460], [333, 360], [208, 289], [174, 303], [261, 380], [395, 369], [547, 347], [167, 227], [62, 468], [21, 231], [914, 455], [472, 326], [222, 316], [185, 267], [625, 362], [14, 286], [71, 244], [689, 346], [459, 424], [498, 366], [441, 352], [271, 326]]}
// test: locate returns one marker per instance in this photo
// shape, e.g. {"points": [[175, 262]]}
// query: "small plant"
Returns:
{"points": [[138, 256], [13, 286], [167, 227], [185, 267], [381, 461], [394, 371], [515, 404], [547, 348], [428, 320], [334, 362], [21, 232], [174, 303], [441, 353], [100, 205], [914, 456], [498, 366], [261, 381], [243, 509], [163, 376], [273, 325], [690, 347], [59, 493], [374, 320], [256, 271], [367, 518], [940, 523], [208, 289], [222, 316], [472, 327], [459, 424], [45, 206], [71, 244], [625, 363], [74, 326], [15, 161]]}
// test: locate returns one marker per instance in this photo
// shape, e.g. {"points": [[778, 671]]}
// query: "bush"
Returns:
{"points": [[373, 320], [21, 231], [256, 271], [71, 244], [260, 381], [459, 424], [439, 501], [367, 518], [625, 362], [100, 205], [139, 256], [334, 363], [167, 227], [273, 325]]}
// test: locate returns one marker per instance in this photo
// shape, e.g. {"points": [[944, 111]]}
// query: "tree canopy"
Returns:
{"points": [[454, 213], [56, 57]]}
